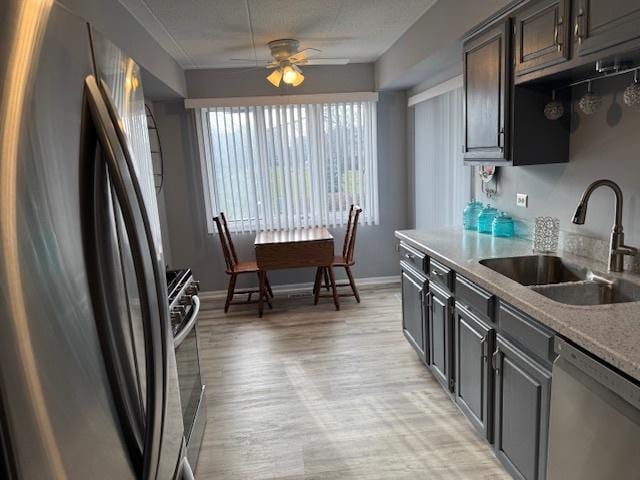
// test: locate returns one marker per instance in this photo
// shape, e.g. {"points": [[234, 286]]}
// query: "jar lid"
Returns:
{"points": [[489, 209], [503, 217]]}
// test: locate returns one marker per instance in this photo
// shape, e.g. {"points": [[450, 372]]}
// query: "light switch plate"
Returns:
{"points": [[522, 200]]}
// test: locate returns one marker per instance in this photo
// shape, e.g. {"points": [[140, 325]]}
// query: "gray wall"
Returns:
{"points": [[242, 82], [431, 44], [115, 22], [192, 246], [604, 145]]}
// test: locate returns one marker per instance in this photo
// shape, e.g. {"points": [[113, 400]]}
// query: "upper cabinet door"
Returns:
{"points": [[600, 24], [542, 34], [486, 94]]}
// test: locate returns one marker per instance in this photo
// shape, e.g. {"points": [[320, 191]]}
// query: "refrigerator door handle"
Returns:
{"points": [[148, 275], [186, 472]]}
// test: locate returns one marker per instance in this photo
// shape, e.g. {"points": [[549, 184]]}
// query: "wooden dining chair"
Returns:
{"points": [[235, 268], [346, 260]]}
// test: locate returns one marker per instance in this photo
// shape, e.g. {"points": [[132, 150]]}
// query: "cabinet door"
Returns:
{"points": [[413, 312], [600, 24], [472, 347], [486, 94], [440, 305], [541, 35], [522, 395]]}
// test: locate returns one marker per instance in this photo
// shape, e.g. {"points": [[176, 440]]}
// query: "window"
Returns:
{"points": [[289, 166]]}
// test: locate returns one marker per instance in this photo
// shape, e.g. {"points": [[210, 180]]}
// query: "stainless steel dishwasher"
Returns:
{"points": [[594, 428]]}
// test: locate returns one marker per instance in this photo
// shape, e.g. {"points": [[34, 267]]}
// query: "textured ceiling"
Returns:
{"points": [[208, 33]]}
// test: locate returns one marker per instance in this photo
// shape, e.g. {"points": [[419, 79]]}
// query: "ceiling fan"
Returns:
{"points": [[287, 58]]}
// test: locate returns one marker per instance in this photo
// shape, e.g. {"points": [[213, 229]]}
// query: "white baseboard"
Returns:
{"points": [[307, 286]]}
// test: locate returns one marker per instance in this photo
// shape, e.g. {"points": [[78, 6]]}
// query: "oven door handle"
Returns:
{"points": [[193, 318]]}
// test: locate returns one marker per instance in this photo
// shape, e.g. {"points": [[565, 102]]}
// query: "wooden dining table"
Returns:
{"points": [[294, 248]]}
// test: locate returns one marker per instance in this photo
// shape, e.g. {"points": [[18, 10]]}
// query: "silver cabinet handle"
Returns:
{"points": [[429, 298], [409, 257], [483, 344], [495, 361], [579, 27], [557, 41]]}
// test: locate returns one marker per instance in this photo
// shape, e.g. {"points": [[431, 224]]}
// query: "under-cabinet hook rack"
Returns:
{"points": [[603, 76]]}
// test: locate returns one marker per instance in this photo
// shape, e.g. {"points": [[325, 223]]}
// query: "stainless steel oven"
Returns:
{"points": [[184, 306]]}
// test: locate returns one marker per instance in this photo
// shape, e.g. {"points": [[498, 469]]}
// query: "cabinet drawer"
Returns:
{"points": [[475, 298], [440, 274], [526, 331], [413, 257]]}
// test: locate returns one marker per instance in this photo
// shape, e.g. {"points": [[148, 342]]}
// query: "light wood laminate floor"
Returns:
{"points": [[311, 393]]}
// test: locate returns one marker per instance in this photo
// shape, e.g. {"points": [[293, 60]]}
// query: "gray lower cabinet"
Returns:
{"points": [[522, 397], [414, 315], [440, 303], [495, 367], [474, 376]]}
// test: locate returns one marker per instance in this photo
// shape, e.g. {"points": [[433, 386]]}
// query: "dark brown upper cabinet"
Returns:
{"points": [[486, 94], [602, 24], [541, 35]]}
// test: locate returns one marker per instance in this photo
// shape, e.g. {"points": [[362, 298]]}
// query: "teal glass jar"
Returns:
{"points": [[502, 225], [470, 215], [485, 219]]}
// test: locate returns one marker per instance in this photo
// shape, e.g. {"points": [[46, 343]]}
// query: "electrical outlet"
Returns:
{"points": [[522, 200]]}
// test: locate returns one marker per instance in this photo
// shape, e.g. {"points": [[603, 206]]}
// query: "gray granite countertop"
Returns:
{"points": [[611, 332]]}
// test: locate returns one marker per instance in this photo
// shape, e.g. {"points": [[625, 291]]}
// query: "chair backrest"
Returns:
{"points": [[349, 246], [230, 257]]}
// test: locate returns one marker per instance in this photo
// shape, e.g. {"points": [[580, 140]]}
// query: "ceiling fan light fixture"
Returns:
{"points": [[289, 75], [298, 80], [275, 77]]}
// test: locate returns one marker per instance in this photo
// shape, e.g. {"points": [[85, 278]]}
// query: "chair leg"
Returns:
{"points": [[326, 279], [261, 288], [266, 280], [318, 285], [332, 279], [352, 282], [230, 290], [316, 281]]}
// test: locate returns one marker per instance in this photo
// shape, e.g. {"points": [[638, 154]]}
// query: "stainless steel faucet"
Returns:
{"points": [[617, 248]]}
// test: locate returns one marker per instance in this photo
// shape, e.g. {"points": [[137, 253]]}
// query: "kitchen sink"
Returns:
{"points": [[537, 269], [563, 281], [593, 292]]}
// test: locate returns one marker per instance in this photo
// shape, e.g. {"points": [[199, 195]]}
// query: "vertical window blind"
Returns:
{"points": [[443, 182], [272, 167]]}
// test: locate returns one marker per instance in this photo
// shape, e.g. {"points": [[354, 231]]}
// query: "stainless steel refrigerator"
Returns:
{"points": [[88, 385]]}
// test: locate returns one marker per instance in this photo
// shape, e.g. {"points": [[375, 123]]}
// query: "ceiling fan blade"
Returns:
{"points": [[304, 54], [325, 61], [253, 61]]}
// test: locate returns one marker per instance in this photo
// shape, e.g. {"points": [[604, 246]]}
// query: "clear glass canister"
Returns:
{"points": [[502, 225], [485, 219], [470, 214]]}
